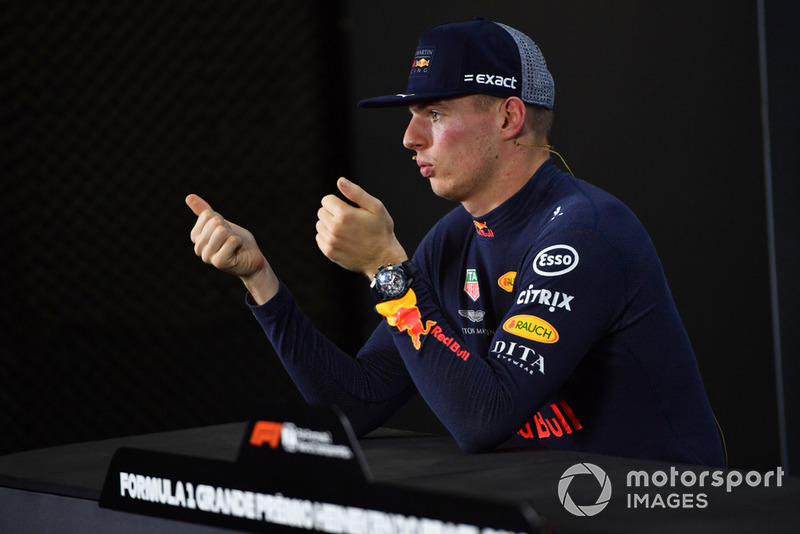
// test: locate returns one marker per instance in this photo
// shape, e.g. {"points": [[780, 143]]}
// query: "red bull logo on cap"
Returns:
{"points": [[421, 66], [403, 314]]}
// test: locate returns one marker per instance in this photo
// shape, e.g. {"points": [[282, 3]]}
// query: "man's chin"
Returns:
{"points": [[441, 191]]}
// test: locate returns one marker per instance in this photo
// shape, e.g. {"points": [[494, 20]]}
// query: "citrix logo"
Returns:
{"points": [[546, 297], [584, 469]]}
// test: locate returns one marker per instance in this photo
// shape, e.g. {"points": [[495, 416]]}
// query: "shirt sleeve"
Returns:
{"points": [[368, 388], [483, 399]]}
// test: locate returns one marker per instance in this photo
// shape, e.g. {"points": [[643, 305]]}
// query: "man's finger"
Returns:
{"points": [[197, 204], [333, 206], [358, 196]]}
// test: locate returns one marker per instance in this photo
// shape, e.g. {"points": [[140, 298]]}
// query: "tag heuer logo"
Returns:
{"points": [[471, 286]]}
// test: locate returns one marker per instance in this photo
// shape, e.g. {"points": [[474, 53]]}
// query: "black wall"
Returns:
{"points": [[112, 112]]}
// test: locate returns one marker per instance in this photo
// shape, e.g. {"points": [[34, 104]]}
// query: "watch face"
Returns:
{"points": [[391, 282]]}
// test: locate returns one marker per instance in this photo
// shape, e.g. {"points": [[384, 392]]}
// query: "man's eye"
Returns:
{"points": [[435, 115]]}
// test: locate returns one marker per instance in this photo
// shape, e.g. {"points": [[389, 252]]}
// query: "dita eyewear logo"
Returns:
{"points": [[583, 469]]}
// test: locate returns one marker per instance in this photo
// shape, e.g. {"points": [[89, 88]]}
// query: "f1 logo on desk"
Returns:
{"points": [[294, 439], [266, 432]]}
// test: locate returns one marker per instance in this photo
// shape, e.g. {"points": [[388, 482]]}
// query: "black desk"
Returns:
{"points": [[56, 490]]}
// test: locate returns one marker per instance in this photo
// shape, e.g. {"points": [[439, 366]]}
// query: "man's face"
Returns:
{"points": [[456, 145]]}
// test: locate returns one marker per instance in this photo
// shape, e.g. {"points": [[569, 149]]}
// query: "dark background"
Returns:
{"points": [[113, 111]]}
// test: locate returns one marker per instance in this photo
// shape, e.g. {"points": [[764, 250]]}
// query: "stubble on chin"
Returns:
{"points": [[443, 189]]}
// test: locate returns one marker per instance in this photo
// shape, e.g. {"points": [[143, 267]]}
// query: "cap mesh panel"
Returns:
{"points": [[537, 82]]}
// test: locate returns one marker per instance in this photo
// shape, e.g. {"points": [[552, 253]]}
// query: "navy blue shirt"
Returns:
{"points": [[549, 319]]}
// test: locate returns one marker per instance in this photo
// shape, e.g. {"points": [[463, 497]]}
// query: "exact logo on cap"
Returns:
{"points": [[421, 66], [492, 79]]}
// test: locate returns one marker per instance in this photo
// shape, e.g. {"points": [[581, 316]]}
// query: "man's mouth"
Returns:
{"points": [[425, 168]]}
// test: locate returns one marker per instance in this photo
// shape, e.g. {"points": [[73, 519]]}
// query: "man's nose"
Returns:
{"points": [[413, 139]]}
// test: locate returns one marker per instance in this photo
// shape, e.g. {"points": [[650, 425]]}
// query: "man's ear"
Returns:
{"points": [[513, 113]]}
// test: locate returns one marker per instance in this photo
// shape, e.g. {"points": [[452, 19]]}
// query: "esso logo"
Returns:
{"points": [[555, 260]]}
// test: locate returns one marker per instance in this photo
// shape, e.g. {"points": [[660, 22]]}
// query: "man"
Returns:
{"points": [[537, 309]]}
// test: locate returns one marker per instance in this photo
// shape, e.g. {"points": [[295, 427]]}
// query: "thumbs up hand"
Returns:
{"points": [[231, 249], [359, 238]]}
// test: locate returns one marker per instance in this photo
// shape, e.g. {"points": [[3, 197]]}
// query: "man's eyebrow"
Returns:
{"points": [[420, 106]]}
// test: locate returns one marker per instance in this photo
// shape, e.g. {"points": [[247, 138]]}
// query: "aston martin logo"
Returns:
{"points": [[475, 316]]}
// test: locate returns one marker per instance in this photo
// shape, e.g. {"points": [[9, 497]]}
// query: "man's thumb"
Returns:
{"points": [[197, 204], [354, 193]]}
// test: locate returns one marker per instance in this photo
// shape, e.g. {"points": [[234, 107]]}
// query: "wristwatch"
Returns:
{"points": [[393, 281]]}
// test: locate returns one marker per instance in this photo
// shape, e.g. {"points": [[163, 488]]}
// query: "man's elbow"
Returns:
{"points": [[477, 443]]}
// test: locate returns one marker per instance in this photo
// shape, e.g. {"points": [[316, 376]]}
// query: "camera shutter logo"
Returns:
{"points": [[602, 499]]}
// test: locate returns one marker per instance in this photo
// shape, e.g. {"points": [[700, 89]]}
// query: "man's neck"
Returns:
{"points": [[520, 166]]}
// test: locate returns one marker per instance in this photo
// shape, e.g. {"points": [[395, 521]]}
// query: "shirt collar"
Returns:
{"points": [[512, 213]]}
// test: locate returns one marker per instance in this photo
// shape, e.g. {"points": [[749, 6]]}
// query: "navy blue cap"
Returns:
{"points": [[478, 56]]}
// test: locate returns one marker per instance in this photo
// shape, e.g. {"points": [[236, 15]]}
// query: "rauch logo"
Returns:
{"points": [[531, 327]]}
